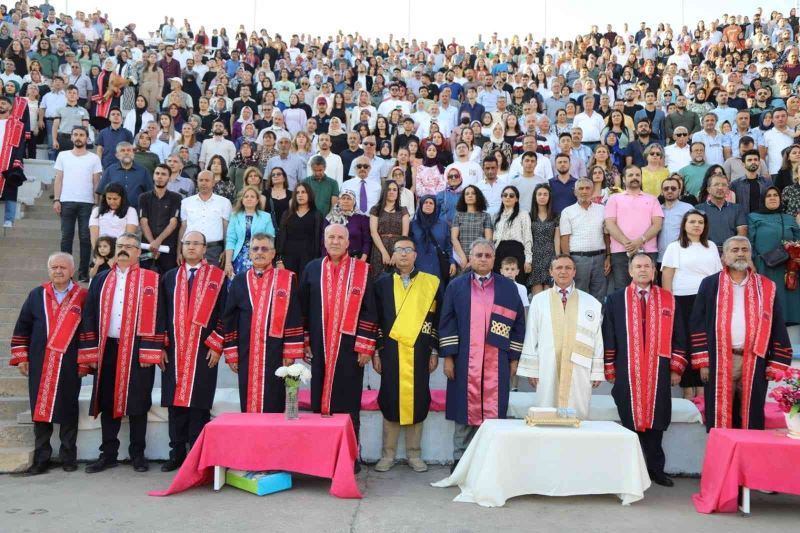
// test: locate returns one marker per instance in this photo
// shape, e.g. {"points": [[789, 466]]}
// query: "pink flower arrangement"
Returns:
{"points": [[788, 396]]}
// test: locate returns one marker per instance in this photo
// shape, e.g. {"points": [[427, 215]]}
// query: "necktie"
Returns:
{"points": [[362, 197], [563, 297], [643, 305], [192, 272], [482, 280]]}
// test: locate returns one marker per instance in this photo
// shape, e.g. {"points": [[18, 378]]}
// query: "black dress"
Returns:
{"points": [[276, 208], [298, 240]]}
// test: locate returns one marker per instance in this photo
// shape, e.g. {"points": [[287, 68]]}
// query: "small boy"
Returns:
{"points": [[509, 268]]}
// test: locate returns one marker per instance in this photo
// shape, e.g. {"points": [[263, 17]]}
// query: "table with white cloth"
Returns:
{"points": [[508, 458]]}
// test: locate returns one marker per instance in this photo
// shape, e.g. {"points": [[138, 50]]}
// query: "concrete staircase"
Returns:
{"points": [[23, 265]]}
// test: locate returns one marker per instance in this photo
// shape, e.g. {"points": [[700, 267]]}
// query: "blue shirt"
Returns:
{"points": [[447, 200], [109, 138], [136, 180], [563, 194]]}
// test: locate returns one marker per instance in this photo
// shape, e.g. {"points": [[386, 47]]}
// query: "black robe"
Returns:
{"points": [[140, 381], [204, 384], [427, 340], [28, 343], [349, 376], [236, 326], [617, 364], [704, 355]]}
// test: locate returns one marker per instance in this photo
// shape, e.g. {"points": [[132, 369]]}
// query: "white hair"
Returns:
{"points": [[65, 255]]}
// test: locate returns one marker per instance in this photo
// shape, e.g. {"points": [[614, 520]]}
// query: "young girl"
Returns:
{"points": [[102, 255]]}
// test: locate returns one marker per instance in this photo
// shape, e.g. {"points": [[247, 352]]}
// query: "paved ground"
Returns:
{"points": [[399, 500]]}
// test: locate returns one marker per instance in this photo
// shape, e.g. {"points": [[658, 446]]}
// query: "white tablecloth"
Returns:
{"points": [[507, 458]]}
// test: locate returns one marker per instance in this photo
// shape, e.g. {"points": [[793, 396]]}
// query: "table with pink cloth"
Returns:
{"points": [[773, 416], [756, 459], [312, 445]]}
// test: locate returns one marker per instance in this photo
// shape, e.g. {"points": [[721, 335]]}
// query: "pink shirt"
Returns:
{"points": [[634, 214]]}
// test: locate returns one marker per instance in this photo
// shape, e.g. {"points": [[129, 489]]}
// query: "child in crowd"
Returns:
{"points": [[102, 255], [509, 268]]}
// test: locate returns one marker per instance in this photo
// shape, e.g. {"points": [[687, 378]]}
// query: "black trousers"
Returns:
{"points": [[42, 431], [110, 428], [185, 425], [650, 440]]}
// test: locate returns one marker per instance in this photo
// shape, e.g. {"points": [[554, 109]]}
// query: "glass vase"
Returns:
{"points": [[292, 410]]}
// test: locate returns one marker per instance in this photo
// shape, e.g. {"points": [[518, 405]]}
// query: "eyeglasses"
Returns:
{"points": [[665, 189], [127, 246], [482, 255], [193, 243], [368, 144], [509, 195], [655, 154], [681, 135], [452, 176], [362, 166], [258, 249], [404, 250]]}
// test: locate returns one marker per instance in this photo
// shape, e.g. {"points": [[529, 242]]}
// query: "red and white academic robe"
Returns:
{"points": [[640, 361], [262, 325], [139, 342], [45, 338], [767, 349], [341, 321], [192, 324], [14, 135], [483, 330]]}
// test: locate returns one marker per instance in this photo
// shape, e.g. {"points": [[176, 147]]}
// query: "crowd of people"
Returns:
{"points": [[625, 167]]}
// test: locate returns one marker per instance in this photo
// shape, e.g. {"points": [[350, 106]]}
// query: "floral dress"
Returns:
{"points": [[390, 228], [242, 261], [225, 188], [544, 249]]}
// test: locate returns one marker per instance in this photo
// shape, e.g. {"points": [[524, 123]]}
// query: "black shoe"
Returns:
{"points": [[357, 467], [663, 480], [171, 465], [101, 464], [140, 464], [70, 466], [37, 469], [453, 466]]}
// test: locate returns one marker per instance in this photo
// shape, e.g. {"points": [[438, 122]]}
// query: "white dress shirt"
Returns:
{"points": [[738, 328], [373, 187], [206, 216], [119, 302]]}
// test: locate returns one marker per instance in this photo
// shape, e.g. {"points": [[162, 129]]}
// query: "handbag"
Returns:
{"points": [[778, 255]]}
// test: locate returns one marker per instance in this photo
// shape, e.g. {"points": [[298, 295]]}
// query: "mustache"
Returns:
{"points": [[123, 253]]}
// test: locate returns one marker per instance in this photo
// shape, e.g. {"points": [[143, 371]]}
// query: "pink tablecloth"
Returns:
{"points": [[773, 416], [763, 460], [369, 400], [313, 445]]}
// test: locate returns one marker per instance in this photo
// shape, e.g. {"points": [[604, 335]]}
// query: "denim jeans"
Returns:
{"points": [[72, 213], [11, 211]]}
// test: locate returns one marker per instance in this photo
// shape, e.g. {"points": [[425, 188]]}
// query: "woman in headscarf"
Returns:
{"points": [[430, 174], [295, 116], [338, 136], [346, 213], [245, 118], [767, 229], [245, 158], [496, 143], [431, 237], [138, 117]]}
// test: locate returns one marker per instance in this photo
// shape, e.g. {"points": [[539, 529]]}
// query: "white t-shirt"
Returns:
{"points": [[691, 265], [523, 295], [775, 141], [471, 172], [78, 184], [110, 224]]}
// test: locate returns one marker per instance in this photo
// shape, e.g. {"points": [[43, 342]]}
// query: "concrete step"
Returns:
{"points": [[11, 408], [6, 330], [23, 232], [32, 276], [14, 386], [24, 417], [9, 314], [25, 259], [51, 223], [15, 435], [14, 243], [15, 458]]}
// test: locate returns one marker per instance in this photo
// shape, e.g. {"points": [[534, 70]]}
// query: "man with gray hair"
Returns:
{"points": [[45, 349], [583, 237], [481, 329], [326, 190], [128, 173], [738, 339], [120, 341], [292, 164]]}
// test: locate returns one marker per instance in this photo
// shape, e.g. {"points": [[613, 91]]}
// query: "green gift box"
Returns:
{"points": [[259, 483]]}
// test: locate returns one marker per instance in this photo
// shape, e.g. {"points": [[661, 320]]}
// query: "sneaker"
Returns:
{"points": [[384, 465], [417, 464], [8, 224]]}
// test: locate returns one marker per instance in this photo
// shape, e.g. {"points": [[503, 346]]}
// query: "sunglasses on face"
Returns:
{"points": [[666, 189], [452, 176], [509, 195], [362, 166], [483, 255], [258, 249], [681, 135]]}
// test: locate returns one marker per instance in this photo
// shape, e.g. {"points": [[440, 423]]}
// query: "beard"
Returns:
{"points": [[740, 265]]}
